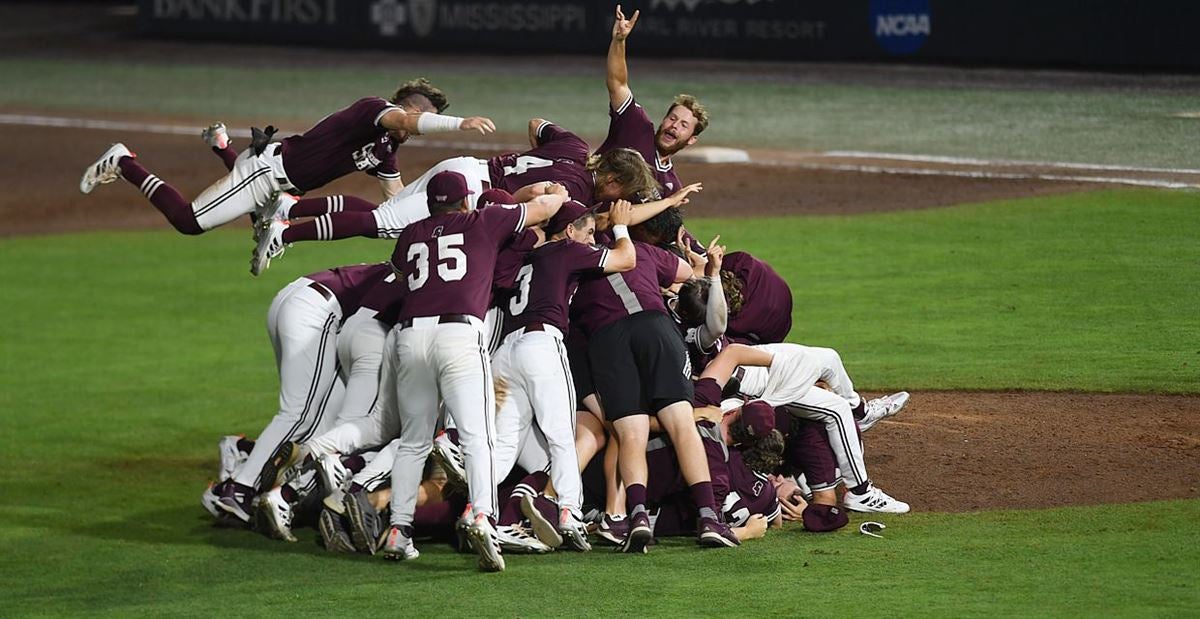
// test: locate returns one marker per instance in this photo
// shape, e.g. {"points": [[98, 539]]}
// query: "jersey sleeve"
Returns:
{"points": [[582, 258], [666, 265], [387, 169], [630, 127], [503, 221], [372, 109], [554, 142]]}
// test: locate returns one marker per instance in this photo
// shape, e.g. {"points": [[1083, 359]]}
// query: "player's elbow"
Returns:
{"points": [[621, 260]]}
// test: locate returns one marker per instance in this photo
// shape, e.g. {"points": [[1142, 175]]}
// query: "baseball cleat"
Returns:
{"points": [[513, 538], [274, 472], [237, 501], [880, 408], [270, 246], [462, 526], [231, 456], [640, 534], [874, 500], [276, 208], [715, 534], [398, 545], [336, 502], [545, 530], [275, 515], [216, 136], [334, 536], [451, 459], [105, 170], [573, 531], [365, 524], [613, 529], [210, 498], [483, 538], [332, 474]]}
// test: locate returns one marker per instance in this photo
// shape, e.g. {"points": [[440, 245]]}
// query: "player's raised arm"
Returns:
{"points": [[646, 211], [622, 257], [617, 79], [424, 123]]}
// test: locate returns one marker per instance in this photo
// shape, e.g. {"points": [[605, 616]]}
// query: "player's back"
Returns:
{"points": [[347, 140], [448, 260], [560, 157], [602, 301]]}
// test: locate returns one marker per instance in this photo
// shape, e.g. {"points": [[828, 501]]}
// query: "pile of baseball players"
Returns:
{"points": [[546, 359]]}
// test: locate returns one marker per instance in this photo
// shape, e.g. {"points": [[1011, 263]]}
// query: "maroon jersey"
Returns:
{"points": [[504, 278], [561, 157], [699, 356], [447, 260], [766, 314], [630, 127], [602, 301], [664, 477], [749, 493], [386, 298], [347, 140], [548, 280], [351, 284]]}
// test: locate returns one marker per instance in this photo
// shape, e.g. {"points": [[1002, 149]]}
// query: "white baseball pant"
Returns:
{"points": [[302, 324], [535, 369], [377, 427], [451, 361], [411, 205], [251, 182], [789, 382]]}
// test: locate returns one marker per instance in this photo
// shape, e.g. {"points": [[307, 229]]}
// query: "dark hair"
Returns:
{"points": [[765, 454], [693, 302], [581, 221], [695, 107], [424, 88], [732, 285], [663, 227], [627, 168]]}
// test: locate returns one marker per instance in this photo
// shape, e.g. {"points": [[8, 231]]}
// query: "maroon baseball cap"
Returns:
{"points": [[446, 187], [823, 518], [494, 196], [758, 417], [568, 213]]}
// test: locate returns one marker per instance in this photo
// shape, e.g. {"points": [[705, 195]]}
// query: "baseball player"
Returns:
{"points": [[532, 361], [557, 156], [302, 323], [363, 136], [447, 261]]}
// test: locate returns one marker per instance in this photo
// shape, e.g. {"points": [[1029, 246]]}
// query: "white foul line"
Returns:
{"points": [[159, 128]]}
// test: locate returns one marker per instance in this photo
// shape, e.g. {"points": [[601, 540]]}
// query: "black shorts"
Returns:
{"points": [[639, 365], [581, 368]]}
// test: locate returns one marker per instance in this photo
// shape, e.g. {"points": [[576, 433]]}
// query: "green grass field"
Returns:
{"points": [[126, 355]]}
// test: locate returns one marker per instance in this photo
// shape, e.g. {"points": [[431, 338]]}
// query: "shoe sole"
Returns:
{"points": [[280, 461], [639, 538], [334, 537], [272, 525], [610, 538], [575, 540], [543, 529], [454, 476], [712, 539], [358, 530], [328, 480], [489, 559], [335, 506], [232, 509]]}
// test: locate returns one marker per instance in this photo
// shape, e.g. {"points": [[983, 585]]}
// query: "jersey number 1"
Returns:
{"points": [[451, 260]]}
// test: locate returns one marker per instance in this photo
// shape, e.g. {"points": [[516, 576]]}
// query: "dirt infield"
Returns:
{"points": [[945, 452]]}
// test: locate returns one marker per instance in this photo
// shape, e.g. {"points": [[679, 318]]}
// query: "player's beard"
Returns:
{"points": [[668, 151]]}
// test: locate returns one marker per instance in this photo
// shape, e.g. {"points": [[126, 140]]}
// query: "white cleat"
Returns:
{"points": [[483, 537], [875, 501], [879, 408], [231, 457], [515, 539], [398, 546], [333, 475], [277, 515], [276, 208], [573, 531], [105, 170], [270, 246], [336, 502], [216, 136], [209, 500], [450, 456]]}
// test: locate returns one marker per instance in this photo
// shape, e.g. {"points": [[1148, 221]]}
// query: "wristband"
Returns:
{"points": [[428, 122], [620, 231]]}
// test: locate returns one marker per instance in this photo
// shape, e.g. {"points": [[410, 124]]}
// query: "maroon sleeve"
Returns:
{"points": [[503, 221], [554, 142], [666, 265], [707, 392], [578, 257], [387, 169], [371, 109], [630, 127]]}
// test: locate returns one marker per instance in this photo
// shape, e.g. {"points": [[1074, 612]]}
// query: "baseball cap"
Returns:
{"points": [[446, 187], [823, 518], [758, 417], [494, 196], [568, 213]]}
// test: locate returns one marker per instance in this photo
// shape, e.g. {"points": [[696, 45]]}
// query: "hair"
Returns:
{"points": [[424, 88], [732, 285], [765, 454], [663, 227], [627, 168], [582, 220], [695, 107], [693, 302]]}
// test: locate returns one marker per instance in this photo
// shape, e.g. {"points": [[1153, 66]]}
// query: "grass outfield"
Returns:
{"points": [[1119, 127], [127, 355]]}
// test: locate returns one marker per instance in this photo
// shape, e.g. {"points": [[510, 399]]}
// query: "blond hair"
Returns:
{"points": [[695, 107], [627, 167]]}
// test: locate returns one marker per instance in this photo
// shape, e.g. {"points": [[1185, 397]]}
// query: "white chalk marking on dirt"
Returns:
{"points": [[168, 129]]}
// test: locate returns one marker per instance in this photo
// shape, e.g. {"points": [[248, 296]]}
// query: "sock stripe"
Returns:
{"points": [[152, 186]]}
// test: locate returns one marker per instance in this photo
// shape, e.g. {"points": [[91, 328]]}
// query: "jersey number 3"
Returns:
{"points": [[450, 258]]}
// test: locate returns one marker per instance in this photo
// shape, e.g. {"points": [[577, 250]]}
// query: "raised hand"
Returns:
{"points": [[622, 27], [621, 213], [478, 123], [681, 197]]}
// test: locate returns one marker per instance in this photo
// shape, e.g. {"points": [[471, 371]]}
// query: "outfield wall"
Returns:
{"points": [[1120, 34]]}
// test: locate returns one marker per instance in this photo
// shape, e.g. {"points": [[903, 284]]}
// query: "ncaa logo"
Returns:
{"points": [[900, 26]]}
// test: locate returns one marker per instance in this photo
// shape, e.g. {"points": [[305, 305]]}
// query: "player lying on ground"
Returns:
{"points": [[362, 136]]}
